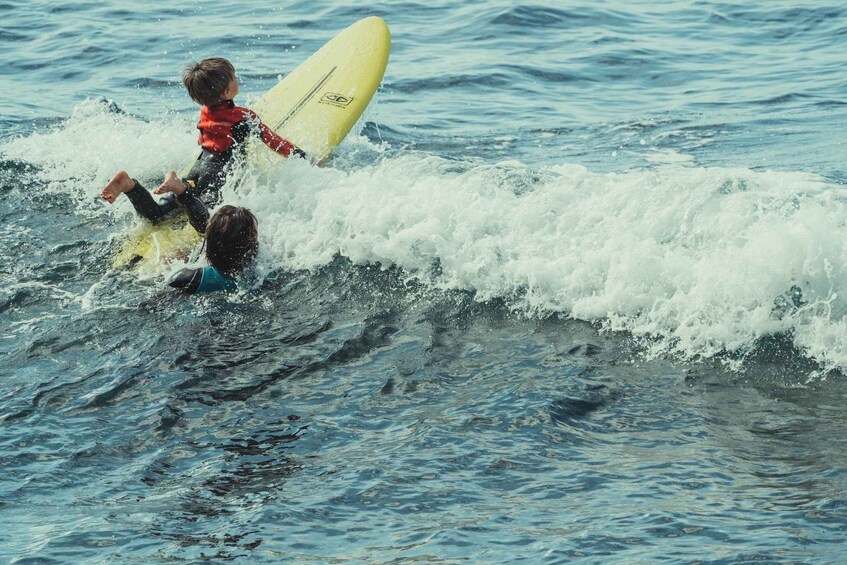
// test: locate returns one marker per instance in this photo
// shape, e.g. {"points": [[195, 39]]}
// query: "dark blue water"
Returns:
{"points": [[575, 289]]}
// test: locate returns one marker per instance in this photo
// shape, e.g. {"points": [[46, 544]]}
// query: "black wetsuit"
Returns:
{"points": [[203, 182], [146, 206]]}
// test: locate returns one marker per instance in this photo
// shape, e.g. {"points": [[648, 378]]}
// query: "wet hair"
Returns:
{"points": [[232, 239], [206, 80]]}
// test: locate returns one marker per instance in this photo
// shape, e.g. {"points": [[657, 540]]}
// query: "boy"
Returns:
{"points": [[224, 127]]}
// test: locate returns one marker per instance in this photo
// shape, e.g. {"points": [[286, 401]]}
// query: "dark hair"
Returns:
{"points": [[206, 80], [232, 239]]}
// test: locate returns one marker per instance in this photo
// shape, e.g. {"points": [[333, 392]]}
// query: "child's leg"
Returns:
{"points": [[146, 205], [141, 200]]}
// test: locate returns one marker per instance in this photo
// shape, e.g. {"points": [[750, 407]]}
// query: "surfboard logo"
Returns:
{"points": [[336, 99]]}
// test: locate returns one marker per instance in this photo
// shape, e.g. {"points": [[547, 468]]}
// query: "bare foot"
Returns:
{"points": [[118, 185], [171, 184]]}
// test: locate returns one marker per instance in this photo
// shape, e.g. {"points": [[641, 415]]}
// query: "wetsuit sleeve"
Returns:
{"points": [[198, 215], [279, 143], [187, 280], [269, 137]]}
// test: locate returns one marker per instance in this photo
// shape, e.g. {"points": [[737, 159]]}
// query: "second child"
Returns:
{"points": [[224, 129]]}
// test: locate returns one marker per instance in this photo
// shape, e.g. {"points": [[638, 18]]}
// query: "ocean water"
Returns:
{"points": [[574, 290]]}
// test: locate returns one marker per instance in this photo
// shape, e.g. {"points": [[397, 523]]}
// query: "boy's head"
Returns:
{"points": [[232, 239], [207, 80]]}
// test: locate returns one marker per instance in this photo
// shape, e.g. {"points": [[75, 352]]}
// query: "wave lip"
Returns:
{"points": [[690, 259]]}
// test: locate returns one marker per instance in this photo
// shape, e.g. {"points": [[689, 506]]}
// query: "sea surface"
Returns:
{"points": [[573, 290]]}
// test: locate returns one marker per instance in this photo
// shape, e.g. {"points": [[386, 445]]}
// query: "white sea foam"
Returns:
{"points": [[81, 154], [691, 259]]}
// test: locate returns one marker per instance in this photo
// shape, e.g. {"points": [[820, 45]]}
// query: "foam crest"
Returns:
{"points": [[691, 259], [80, 155]]}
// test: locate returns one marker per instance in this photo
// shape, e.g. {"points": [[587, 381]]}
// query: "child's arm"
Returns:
{"points": [[279, 143], [269, 137]]}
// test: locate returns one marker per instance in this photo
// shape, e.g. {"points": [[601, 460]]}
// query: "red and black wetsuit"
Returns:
{"points": [[224, 125], [223, 129]]}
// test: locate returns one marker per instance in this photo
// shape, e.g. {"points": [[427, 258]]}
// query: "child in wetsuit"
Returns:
{"points": [[232, 241], [224, 127]]}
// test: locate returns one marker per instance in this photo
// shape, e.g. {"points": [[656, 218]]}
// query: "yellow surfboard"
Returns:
{"points": [[319, 102], [315, 107]]}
